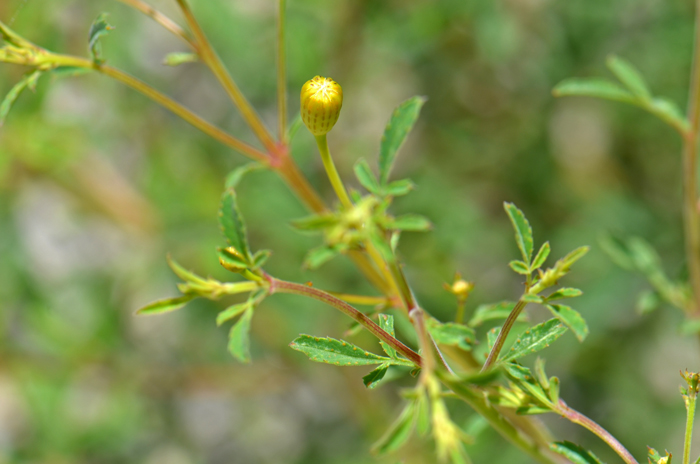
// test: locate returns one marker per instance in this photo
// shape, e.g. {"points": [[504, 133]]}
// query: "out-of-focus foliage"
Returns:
{"points": [[97, 184]]}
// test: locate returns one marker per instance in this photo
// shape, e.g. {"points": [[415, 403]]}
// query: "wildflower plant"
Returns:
{"points": [[500, 387]]}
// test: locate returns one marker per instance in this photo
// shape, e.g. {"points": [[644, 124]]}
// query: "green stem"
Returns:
{"points": [[333, 176], [281, 286], [161, 19], [501, 339], [692, 399], [690, 149], [211, 59], [461, 304], [281, 73], [578, 418], [57, 60]]}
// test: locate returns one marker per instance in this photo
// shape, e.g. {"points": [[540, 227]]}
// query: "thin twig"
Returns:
{"points": [[161, 19], [281, 73]]}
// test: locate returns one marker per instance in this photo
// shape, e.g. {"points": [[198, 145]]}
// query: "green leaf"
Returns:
{"points": [[523, 231], [490, 312], [98, 29], [647, 301], [451, 333], [535, 339], [395, 134], [235, 176], [373, 379], [541, 257], [366, 177], [232, 224], [28, 81], [629, 76], [574, 453], [399, 188], [519, 267], [564, 293], [231, 260], [572, 319], [593, 87], [338, 352], [668, 111], [319, 256], [165, 305], [540, 373], [399, 432], [527, 298], [617, 250], [260, 258], [183, 273], [554, 390], [232, 311], [294, 127], [69, 71], [410, 222], [239, 337], [567, 261], [178, 58], [386, 322], [316, 222], [423, 414]]}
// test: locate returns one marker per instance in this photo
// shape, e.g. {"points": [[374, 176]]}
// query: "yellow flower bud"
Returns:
{"points": [[321, 100]]}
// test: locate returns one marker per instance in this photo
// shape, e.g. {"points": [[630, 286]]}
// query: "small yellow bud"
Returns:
{"points": [[321, 100]]}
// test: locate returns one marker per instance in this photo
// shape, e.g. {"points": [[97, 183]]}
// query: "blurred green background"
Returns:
{"points": [[98, 184]]}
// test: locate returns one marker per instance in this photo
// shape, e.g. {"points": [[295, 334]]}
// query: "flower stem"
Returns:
{"points": [[501, 339], [690, 152], [578, 418], [281, 73], [281, 286], [690, 405], [333, 176], [211, 59]]}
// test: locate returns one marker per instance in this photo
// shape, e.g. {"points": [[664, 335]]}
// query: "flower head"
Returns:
{"points": [[321, 100]]}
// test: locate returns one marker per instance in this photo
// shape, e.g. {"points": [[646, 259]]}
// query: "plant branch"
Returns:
{"points": [[501, 339], [281, 286], [691, 402], [690, 153], [211, 59], [161, 19], [281, 74], [57, 60], [578, 418]]}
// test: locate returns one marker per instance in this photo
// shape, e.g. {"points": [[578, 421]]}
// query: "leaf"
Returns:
{"points": [[232, 311], [395, 134], [294, 127], [541, 257], [399, 432], [647, 301], [572, 319], [523, 231], [231, 260], [183, 273], [668, 111], [629, 76], [410, 222], [332, 351], [232, 224], [567, 261], [319, 256], [98, 29], [373, 379], [366, 177], [535, 339], [234, 177], [617, 250], [574, 453], [399, 188], [386, 322], [28, 81], [239, 337], [554, 390], [451, 333], [490, 312], [260, 258], [593, 87], [564, 293], [519, 267], [178, 58], [528, 298], [165, 306], [316, 222]]}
